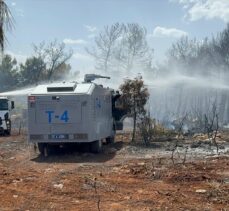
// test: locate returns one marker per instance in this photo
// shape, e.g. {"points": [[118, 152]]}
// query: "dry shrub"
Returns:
{"points": [[149, 129]]}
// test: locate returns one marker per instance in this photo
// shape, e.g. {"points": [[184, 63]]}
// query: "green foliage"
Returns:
{"points": [[134, 98], [55, 57], [8, 73], [134, 95], [32, 71], [48, 63]]}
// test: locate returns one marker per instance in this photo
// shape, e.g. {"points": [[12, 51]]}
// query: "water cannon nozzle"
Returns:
{"points": [[88, 78]]}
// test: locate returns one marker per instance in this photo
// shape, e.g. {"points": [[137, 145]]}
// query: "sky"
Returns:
{"points": [[76, 23]]}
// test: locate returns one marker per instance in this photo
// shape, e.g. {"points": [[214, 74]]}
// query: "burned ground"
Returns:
{"points": [[123, 177]]}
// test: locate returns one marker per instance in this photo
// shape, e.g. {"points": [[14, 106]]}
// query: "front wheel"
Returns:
{"points": [[7, 132], [96, 146]]}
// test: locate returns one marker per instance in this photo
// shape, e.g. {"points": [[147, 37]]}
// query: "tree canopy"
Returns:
{"points": [[134, 98]]}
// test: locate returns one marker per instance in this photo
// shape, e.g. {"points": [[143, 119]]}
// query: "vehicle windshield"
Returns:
{"points": [[3, 104]]}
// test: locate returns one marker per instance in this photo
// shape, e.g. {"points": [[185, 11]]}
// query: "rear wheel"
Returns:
{"points": [[96, 146], [43, 149], [110, 140]]}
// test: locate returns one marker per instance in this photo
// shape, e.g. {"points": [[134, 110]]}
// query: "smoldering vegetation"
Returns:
{"points": [[194, 97], [194, 82]]}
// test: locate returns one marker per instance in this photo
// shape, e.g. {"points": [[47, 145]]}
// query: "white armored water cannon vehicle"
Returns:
{"points": [[70, 112]]}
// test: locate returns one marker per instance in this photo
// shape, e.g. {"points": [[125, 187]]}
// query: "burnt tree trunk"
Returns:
{"points": [[134, 126]]}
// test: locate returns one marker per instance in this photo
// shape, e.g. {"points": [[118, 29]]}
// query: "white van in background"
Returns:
{"points": [[6, 106]]}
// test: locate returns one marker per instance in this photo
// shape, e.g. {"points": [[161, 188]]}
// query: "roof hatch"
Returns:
{"points": [[64, 87]]}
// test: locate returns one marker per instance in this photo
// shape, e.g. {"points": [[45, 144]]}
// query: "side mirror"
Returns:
{"points": [[12, 104]]}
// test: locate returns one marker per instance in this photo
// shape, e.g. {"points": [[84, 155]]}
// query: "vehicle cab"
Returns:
{"points": [[5, 107]]}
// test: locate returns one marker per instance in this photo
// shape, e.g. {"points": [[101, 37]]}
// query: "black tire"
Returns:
{"points": [[43, 149], [96, 146], [7, 132], [110, 140]]}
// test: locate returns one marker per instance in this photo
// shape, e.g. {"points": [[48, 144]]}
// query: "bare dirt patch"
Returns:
{"points": [[122, 177]]}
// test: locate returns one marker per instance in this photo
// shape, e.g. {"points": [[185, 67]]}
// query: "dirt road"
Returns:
{"points": [[120, 178]]}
